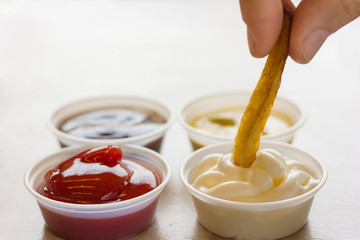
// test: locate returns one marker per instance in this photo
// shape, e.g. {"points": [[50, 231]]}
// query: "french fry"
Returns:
{"points": [[258, 110]]}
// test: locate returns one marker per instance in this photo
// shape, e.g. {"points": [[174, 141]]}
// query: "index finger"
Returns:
{"points": [[264, 20]]}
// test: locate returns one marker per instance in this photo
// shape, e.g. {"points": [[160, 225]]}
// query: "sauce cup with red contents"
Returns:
{"points": [[119, 119], [109, 220]]}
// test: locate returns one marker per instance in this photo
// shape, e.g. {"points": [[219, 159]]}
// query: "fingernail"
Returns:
{"points": [[313, 42], [251, 42]]}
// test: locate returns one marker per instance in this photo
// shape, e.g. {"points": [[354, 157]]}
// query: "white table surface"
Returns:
{"points": [[52, 52]]}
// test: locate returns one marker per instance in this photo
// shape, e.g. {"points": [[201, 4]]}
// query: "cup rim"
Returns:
{"points": [[60, 134], [299, 123], [103, 207], [250, 205]]}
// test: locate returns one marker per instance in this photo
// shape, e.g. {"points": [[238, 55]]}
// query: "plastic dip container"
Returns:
{"points": [[215, 102], [243, 220], [151, 139], [116, 220]]}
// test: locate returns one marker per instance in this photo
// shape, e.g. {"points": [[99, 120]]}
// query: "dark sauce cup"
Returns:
{"points": [[152, 139], [107, 221]]}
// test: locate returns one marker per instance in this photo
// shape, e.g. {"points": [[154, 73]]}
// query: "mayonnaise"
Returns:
{"points": [[271, 177]]}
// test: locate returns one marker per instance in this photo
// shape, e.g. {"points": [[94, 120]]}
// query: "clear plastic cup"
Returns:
{"points": [[222, 100], [116, 220], [243, 220], [151, 140]]}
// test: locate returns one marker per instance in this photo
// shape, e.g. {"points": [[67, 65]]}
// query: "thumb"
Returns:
{"points": [[314, 21]]}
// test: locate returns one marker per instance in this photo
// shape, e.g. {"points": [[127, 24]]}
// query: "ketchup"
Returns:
{"points": [[98, 175], [115, 228]]}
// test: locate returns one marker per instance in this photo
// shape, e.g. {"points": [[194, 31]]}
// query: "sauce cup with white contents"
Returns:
{"points": [[286, 118], [114, 220], [150, 135], [252, 220]]}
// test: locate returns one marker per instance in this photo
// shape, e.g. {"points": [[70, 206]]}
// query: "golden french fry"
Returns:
{"points": [[262, 99]]}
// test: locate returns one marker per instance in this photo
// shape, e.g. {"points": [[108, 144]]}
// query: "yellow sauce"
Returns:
{"points": [[225, 122]]}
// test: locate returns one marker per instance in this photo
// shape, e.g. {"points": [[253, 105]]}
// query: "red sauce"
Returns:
{"points": [[98, 175], [114, 228]]}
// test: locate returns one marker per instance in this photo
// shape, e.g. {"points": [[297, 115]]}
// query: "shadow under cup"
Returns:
{"points": [[243, 220], [152, 139]]}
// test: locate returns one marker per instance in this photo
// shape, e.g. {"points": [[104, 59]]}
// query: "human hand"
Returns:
{"points": [[313, 22]]}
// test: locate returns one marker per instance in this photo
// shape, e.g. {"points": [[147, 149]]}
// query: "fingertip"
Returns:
{"points": [[314, 21], [296, 53], [298, 59], [254, 49], [305, 51], [261, 39], [263, 20]]}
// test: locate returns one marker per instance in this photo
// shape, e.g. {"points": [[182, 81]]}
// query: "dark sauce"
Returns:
{"points": [[98, 175], [113, 123]]}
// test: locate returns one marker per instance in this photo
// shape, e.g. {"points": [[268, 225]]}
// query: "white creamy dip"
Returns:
{"points": [[271, 177]]}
